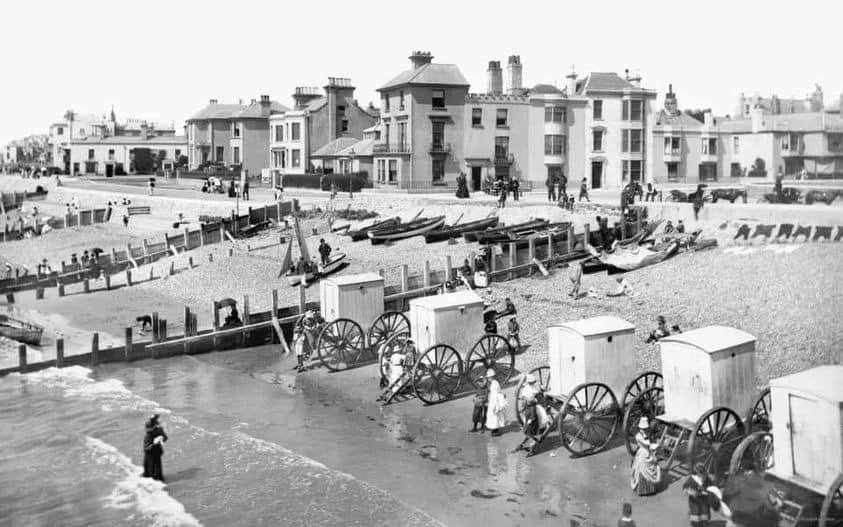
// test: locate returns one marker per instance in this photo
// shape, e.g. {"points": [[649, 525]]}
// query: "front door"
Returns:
{"points": [[596, 174], [807, 462], [109, 170], [476, 178]]}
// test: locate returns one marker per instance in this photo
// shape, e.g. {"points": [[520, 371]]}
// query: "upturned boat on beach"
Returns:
{"points": [[473, 236], [20, 331], [334, 263], [406, 230], [456, 231], [362, 233]]}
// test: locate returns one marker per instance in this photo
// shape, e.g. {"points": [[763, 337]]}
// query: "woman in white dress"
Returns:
{"points": [[496, 414], [646, 474]]}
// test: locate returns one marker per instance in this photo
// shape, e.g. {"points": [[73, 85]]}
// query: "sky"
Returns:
{"points": [[163, 60]]}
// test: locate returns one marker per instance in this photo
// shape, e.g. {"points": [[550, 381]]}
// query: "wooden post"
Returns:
{"points": [[274, 302], [86, 285], [623, 226], [278, 210], [107, 281], [637, 220], [187, 331], [586, 237], [222, 231], [230, 251], [61, 289], [201, 236], [63, 267], [95, 349], [162, 329], [145, 247], [513, 258], [531, 249], [493, 264], [10, 298], [128, 277], [39, 293], [448, 267], [190, 262], [405, 279], [426, 277], [79, 218], [172, 269], [569, 242], [216, 316], [302, 298], [151, 273], [127, 356], [155, 326], [245, 310], [59, 353], [186, 239], [22, 357]]}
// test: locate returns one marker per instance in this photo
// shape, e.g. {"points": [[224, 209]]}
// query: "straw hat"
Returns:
{"points": [[490, 373], [644, 422], [531, 379]]}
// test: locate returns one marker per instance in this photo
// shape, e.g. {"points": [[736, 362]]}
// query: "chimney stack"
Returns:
{"points": [[775, 105], [741, 110], [571, 84], [420, 58], [514, 77], [305, 94], [212, 101], [494, 82], [266, 106], [635, 78], [671, 105]]}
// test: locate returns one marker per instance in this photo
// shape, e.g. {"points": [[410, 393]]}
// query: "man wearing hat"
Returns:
{"points": [[646, 474], [153, 449], [324, 251]]}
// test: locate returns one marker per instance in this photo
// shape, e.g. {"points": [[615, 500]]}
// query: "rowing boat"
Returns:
{"points": [[362, 233], [473, 236], [333, 265], [446, 233], [407, 230], [493, 237], [20, 331]]}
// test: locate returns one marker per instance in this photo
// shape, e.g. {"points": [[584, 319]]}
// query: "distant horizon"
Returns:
{"points": [[195, 53]]}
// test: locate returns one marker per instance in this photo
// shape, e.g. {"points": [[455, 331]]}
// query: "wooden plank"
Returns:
{"points": [[540, 266], [276, 325]]}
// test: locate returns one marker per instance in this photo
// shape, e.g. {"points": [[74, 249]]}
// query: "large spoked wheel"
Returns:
{"points": [[490, 352], [393, 344], [758, 419], [341, 344], [389, 324], [753, 454], [643, 382], [588, 419], [542, 375], [714, 439], [649, 404], [831, 514], [437, 374]]}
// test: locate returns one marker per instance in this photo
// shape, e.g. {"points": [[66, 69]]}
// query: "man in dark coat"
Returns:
{"points": [[550, 183], [324, 251], [153, 449]]}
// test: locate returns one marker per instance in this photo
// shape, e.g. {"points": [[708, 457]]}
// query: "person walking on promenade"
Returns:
{"points": [[584, 190], [151, 185], [646, 474], [496, 413], [246, 189], [563, 186], [514, 186], [551, 188], [502, 197], [153, 449]]}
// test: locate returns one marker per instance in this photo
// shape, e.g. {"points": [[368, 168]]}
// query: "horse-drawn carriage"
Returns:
{"points": [[435, 367], [590, 361], [730, 194], [824, 196], [788, 195], [687, 197], [806, 465]]}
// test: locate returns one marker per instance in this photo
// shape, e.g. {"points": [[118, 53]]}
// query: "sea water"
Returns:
{"points": [[71, 454]]}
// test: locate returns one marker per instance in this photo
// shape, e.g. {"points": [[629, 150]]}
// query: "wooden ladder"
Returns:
{"points": [[389, 393], [672, 438]]}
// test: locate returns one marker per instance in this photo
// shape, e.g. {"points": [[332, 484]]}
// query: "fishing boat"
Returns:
{"points": [[362, 233], [20, 331], [334, 263], [406, 230], [455, 231], [625, 259], [472, 236], [493, 237]]}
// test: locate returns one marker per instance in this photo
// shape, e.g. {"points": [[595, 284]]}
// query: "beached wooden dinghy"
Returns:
{"points": [[630, 259], [406, 230], [457, 231], [20, 331], [362, 233], [493, 237], [335, 263], [473, 236]]}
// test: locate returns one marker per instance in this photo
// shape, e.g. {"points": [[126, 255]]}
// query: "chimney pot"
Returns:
{"points": [[212, 101]]}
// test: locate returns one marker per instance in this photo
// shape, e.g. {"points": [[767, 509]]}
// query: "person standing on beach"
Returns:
{"points": [[478, 414], [584, 190], [153, 449], [551, 188], [496, 412], [502, 197]]}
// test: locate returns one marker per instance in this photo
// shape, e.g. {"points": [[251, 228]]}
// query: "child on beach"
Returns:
{"points": [[478, 415], [512, 333], [298, 347], [626, 516]]}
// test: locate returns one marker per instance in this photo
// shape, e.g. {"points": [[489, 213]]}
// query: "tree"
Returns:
{"points": [[142, 161]]}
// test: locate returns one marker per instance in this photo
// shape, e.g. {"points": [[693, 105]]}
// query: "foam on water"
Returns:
{"points": [[777, 249], [134, 492]]}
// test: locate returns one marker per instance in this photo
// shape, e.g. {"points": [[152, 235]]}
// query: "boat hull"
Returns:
{"points": [[473, 236], [361, 234], [457, 231], [333, 265], [406, 231], [25, 335]]}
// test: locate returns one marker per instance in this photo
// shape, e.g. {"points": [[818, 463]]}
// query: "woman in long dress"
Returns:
{"points": [[496, 415], [646, 476]]}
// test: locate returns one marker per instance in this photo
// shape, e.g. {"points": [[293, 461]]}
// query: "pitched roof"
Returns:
{"points": [[335, 146], [803, 122], [680, 120], [733, 125], [235, 111], [435, 74], [315, 104], [363, 147], [254, 111], [604, 81], [134, 140], [545, 88]]}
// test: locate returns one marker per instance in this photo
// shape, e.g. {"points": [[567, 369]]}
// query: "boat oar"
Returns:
{"points": [[418, 214], [458, 220]]}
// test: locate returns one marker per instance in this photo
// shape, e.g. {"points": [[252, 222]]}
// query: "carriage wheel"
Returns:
{"points": [[759, 416], [437, 374], [392, 345], [649, 404], [753, 454], [588, 419], [542, 374], [715, 437], [491, 351], [388, 324], [643, 382], [831, 514], [340, 344]]}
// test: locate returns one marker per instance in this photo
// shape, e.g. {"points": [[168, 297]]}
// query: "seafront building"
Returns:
{"points": [[88, 144]]}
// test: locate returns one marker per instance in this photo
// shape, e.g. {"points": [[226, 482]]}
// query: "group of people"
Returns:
{"points": [[304, 337], [557, 191], [490, 404], [462, 186]]}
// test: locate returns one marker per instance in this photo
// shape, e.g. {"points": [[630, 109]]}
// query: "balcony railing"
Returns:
{"points": [[504, 158], [385, 148], [440, 148]]}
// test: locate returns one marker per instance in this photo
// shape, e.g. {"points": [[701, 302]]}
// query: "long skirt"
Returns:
{"points": [[646, 473]]}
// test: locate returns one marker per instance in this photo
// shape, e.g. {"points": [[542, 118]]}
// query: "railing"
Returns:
{"points": [[504, 158], [440, 148], [385, 148]]}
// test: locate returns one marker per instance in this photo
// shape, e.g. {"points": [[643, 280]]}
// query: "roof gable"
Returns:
{"points": [[605, 81]]}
